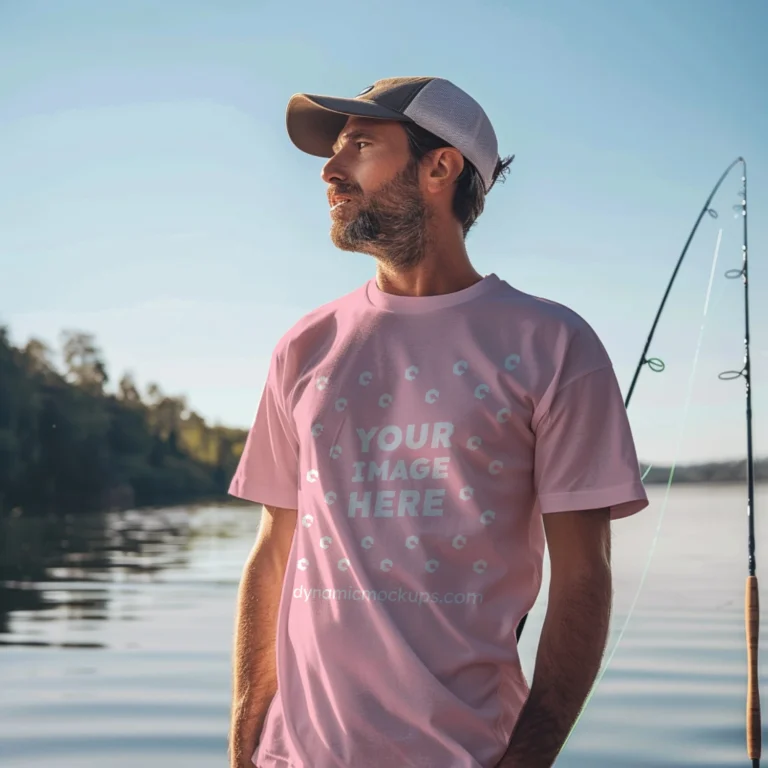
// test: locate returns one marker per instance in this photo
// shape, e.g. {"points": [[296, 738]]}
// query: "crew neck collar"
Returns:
{"points": [[415, 305]]}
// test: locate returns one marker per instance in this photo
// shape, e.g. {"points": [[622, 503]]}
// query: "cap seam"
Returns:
{"points": [[415, 94]]}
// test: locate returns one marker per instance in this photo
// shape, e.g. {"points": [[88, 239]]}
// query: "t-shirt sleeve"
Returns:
{"points": [[268, 471], [585, 456]]}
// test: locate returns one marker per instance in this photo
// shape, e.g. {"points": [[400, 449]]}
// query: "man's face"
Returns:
{"points": [[373, 189]]}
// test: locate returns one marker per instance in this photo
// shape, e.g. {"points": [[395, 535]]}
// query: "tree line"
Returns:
{"points": [[69, 445]]}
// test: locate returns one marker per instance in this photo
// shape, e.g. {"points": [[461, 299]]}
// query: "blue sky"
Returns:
{"points": [[149, 193]]}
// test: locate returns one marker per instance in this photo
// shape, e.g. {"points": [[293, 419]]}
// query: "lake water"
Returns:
{"points": [[116, 631]]}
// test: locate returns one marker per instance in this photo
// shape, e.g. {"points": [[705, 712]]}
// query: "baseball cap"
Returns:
{"points": [[314, 122]]}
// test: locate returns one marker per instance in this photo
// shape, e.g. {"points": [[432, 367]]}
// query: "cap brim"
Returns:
{"points": [[315, 122]]}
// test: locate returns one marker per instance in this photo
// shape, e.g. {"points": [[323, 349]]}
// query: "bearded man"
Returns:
{"points": [[418, 443]]}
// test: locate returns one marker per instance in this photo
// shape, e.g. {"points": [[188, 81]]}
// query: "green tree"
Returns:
{"points": [[127, 391], [84, 365], [39, 357], [68, 446]]}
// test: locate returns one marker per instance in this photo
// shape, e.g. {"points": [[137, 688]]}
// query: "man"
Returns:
{"points": [[417, 442]]}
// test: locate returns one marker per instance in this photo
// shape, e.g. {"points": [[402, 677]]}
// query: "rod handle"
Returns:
{"points": [[752, 620]]}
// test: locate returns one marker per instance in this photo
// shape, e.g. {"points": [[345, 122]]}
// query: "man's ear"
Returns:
{"points": [[442, 166]]}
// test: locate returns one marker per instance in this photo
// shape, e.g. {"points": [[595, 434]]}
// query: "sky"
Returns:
{"points": [[149, 193]]}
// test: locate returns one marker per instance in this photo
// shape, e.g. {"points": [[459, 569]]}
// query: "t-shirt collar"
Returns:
{"points": [[420, 304]]}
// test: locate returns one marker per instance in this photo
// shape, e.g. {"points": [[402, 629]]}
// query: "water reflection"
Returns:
{"points": [[78, 570], [150, 597]]}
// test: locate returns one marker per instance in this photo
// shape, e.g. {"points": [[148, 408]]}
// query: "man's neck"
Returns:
{"points": [[445, 268]]}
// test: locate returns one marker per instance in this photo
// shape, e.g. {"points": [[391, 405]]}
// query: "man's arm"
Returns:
{"points": [[254, 674], [573, 637]]}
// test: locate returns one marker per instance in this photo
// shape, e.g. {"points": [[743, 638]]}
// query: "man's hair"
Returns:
{"points": [[469, 195]]}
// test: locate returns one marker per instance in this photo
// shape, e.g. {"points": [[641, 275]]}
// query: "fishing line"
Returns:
{"points": [[681, 431]]}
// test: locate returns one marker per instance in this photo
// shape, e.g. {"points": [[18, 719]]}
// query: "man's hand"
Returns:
{"points": [[244, 738], [255, 674], [573, 637]]}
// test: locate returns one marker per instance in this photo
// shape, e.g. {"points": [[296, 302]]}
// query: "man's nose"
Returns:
{"points": [[333, 171]]}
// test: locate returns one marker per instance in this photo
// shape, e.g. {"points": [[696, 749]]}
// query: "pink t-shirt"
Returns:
{"points": [[421, 439]]}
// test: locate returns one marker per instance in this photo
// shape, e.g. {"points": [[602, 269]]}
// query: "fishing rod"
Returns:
{"points": [[751, 607], [751, 598]]}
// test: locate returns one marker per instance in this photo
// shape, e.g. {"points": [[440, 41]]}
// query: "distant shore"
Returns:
{"points": [[710, 472]]}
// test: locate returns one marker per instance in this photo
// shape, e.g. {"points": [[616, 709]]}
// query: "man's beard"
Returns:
{"points": [[389, 224]]}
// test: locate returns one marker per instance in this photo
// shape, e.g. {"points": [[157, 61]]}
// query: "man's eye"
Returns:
{"points": [[361, 144]]}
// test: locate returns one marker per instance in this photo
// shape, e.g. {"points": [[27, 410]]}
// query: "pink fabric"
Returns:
{"points": [[421, 440]]}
